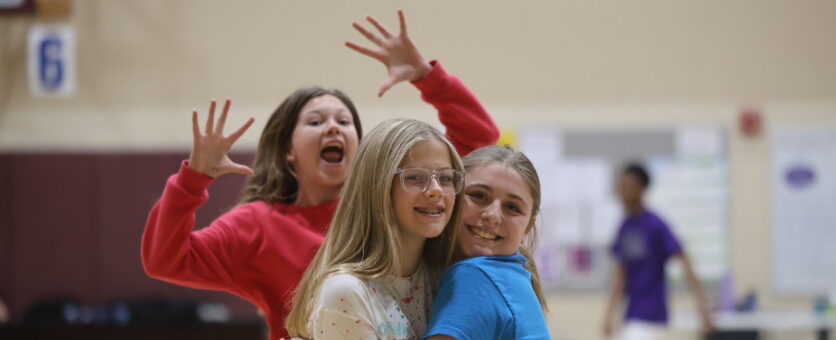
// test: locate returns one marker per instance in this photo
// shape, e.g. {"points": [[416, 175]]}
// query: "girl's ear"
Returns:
{"points": [[290, 157]]}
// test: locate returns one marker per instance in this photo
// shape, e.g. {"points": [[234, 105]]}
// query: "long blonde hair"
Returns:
{"points": [[522, 165], [363, 239]]}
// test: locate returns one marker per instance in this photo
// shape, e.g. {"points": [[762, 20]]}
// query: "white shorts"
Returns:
{"points": [[641, 330]]}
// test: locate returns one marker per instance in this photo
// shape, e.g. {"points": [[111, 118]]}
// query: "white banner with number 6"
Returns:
{"points": [[51, 61]]}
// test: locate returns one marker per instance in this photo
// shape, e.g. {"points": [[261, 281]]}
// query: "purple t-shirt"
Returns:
{"points": [[643, 245]]}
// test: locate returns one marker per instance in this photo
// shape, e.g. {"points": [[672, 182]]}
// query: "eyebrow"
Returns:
{"points": [[483, 186], [518, 198], [489, 188], [420, 167], [339, 111]]}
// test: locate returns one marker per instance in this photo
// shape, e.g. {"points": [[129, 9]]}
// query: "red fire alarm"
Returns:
{"points": [[751, 122]]}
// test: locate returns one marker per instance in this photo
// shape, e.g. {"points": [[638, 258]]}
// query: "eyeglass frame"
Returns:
{"points": [[433, 174]]}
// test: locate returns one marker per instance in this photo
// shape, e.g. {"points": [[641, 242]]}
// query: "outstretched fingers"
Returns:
{"points": [[367, 34], [219, 130], [238, 133], [210, 122], [365, 51], [195, 125], [391, 81], [403, 22], [381, 28], [241, 169]]}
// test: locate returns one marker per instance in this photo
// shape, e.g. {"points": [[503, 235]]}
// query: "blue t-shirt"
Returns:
{"points": [[643, 245], [488, 297]]}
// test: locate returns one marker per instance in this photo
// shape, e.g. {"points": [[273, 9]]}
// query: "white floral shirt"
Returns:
{"points": [[351, 308]]}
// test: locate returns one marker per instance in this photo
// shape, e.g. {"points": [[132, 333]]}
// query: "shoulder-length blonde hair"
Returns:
{"points": [[363, 239], [516, 160]]}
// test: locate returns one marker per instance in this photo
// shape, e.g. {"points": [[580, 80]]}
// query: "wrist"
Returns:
{"points": [[191, 180], [421, 70], [196, 167]]}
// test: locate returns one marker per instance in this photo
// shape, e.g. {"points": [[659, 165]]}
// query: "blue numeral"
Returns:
{"points": [[50, 65]]}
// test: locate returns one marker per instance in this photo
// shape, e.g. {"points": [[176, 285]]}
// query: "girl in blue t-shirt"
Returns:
{"points": [[494, 292]]}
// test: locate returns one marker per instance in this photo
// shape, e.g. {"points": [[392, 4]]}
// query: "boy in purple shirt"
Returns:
{"points": [[642, 247]]}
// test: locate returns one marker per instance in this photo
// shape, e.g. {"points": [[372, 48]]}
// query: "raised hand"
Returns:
{"points": [[397, 52], [209, 150]]}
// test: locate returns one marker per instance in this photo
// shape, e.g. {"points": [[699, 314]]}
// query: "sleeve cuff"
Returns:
{"points": [[433, 82], [192, 181]]}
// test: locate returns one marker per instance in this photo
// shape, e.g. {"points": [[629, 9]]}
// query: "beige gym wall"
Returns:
{"points": [[143, 65]]}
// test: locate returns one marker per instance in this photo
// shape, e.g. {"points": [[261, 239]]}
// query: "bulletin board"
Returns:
{"points": [[580, 212], [804, 211]]}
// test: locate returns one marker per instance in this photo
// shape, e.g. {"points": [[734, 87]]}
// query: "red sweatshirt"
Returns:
{"points": [[260, 250]]}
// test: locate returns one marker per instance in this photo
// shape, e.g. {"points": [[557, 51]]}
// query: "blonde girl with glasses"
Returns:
{"points": [[391, 236]]}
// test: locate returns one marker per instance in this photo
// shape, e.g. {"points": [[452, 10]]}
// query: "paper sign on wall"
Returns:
{"points": [[51, 61]]}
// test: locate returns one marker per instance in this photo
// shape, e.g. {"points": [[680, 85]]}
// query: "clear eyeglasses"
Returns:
{"points": [[418, 179]]}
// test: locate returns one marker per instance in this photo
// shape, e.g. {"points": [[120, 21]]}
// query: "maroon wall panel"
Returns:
{"points": [[55, 228], [71, 225], [6, 235], [130, 185]]}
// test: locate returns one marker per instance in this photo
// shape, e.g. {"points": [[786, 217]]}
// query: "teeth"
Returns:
{"points": [[334, 144], [430, 211], [483, 234]]}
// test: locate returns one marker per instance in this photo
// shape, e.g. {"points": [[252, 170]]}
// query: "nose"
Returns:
{"points": [[434, 189], [492, 213], [332, 127]]}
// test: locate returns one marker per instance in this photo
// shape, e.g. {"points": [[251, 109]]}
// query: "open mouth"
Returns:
{"points": [[332, 153], [483, 234]]}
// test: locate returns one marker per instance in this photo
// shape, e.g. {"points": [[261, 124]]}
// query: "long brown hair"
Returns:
{"points": [[274, 180], [363, 239], [516, 160]]}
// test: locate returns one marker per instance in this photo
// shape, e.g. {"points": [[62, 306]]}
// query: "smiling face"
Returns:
{"points": [[496, 211], [323, 144], [422, 215]]}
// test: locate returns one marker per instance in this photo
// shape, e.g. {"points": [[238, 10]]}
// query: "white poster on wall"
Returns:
{"points": [[51, 61], [804, 211], [690, 192]]}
